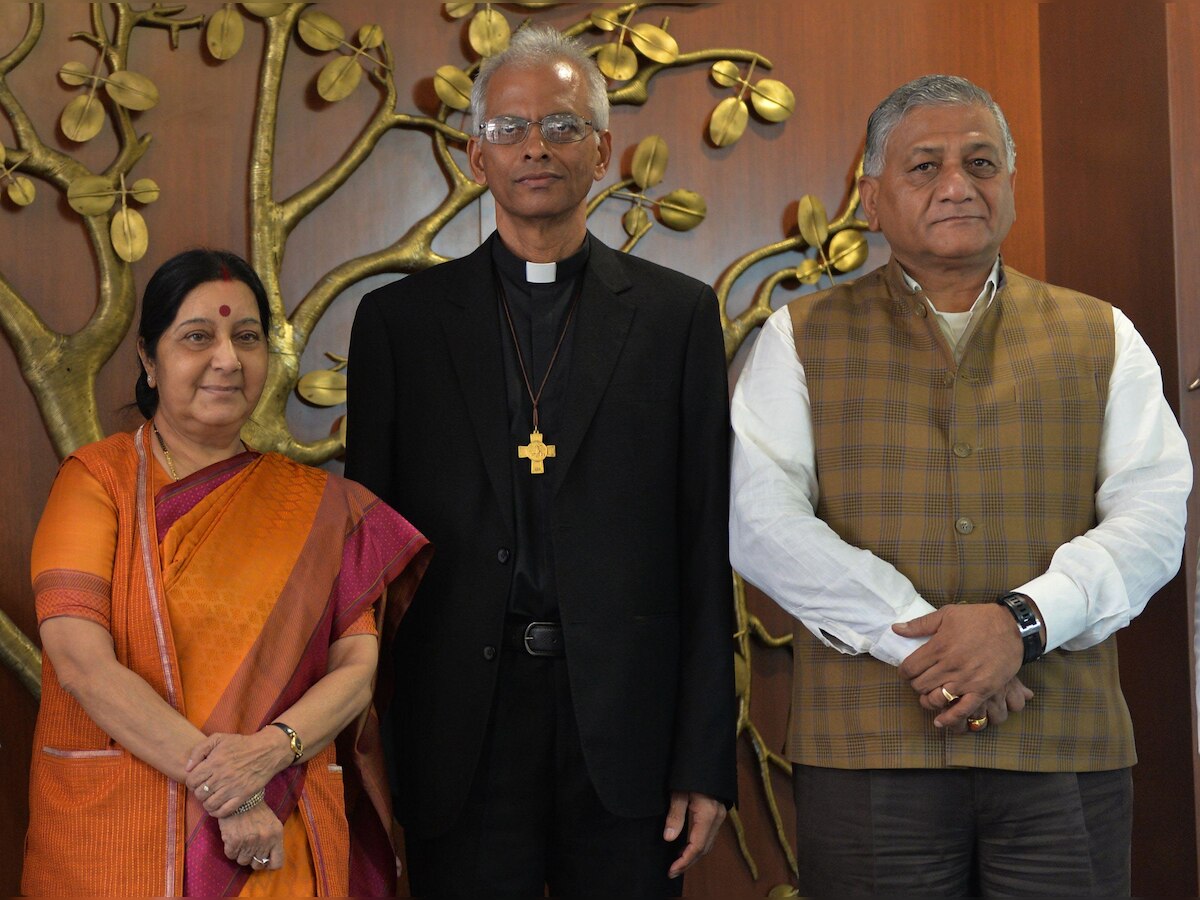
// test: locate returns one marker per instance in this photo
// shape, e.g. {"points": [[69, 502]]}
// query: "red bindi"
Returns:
{"points": [[224, 310]]}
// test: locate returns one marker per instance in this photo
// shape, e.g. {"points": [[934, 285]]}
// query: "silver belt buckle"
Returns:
{"points": [[529, 639]]}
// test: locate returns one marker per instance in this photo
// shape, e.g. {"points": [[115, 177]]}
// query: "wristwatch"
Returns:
{"points": [[1029, 626], [297, 744]]}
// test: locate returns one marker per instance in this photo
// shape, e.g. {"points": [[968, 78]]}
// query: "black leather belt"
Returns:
{"points": [[535, 638]]}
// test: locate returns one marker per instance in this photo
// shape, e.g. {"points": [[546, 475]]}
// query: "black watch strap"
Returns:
{"points": [[297, 745], [1029, 626]]}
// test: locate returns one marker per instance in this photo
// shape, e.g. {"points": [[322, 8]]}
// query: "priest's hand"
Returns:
{"points": [[703, 816]]}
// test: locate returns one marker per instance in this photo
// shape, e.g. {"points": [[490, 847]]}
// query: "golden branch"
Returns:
{"points": [[19, 654], [33, 33]]}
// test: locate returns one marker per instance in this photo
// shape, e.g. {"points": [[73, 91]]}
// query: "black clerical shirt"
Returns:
{"points": [[539, 314]]}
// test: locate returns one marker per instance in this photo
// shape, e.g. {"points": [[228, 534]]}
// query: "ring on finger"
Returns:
{"points": [[977, 723], [261, 861], [204, 787], [950, 698]]}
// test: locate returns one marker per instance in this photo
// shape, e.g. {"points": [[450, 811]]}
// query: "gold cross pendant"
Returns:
{"points": [[536, 452]]}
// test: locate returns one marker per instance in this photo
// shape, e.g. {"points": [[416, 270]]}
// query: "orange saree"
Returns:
{"points": [[224, 591]]}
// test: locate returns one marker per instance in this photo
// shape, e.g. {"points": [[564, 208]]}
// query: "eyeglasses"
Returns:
{"points": [[557, 128]]}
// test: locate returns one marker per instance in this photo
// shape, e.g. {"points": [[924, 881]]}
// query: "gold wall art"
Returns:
{"points": [[60, 369]]}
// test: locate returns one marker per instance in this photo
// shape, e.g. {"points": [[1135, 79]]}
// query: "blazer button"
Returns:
{"points": [[489, 653], [502, 555]]}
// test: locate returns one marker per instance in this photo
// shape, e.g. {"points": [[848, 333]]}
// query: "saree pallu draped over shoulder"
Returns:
{"points": [[228, 588]]}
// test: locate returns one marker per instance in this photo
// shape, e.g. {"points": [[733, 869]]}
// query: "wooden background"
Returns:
{"points": [[1103, 101]]}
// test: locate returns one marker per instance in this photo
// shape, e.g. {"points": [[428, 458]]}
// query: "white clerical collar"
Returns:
{"points": [[541, 273]]}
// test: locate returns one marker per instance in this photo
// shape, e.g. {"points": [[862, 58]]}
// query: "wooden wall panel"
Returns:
{"points": [[1183, 78], [839, 64], [1109, 232]]}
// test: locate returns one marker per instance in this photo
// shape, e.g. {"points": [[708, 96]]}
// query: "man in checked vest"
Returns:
{"points": [[962, 482]]}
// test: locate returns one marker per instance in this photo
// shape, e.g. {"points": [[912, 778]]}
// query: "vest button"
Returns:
{"points": [[962, 449], [503, 555], [489, 653], [922, 309], [964, 526], [948, 379]]}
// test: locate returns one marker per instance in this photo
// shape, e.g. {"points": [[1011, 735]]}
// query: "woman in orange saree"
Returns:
{"points": [[209, 633]]}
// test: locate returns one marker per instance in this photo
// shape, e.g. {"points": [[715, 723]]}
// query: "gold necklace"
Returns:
{"points": [[537, 450], [166, 452]]}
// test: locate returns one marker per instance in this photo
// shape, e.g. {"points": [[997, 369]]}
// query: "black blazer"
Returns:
{"points": [[640, 532]]}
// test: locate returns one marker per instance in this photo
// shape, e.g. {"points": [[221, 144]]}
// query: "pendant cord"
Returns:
{"points": [[166, 452], [535, 398]]}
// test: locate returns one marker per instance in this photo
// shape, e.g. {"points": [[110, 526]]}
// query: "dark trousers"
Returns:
{"points": [[962, 832], [532, 819]]}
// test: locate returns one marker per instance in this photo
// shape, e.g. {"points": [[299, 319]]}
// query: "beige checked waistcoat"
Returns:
{"points": [[965, 476]]}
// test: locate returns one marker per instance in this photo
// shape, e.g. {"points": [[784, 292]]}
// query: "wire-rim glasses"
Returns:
{"points": [[557, 128]]}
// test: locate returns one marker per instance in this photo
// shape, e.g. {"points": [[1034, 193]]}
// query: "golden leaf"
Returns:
{"points": [[225, 33], [2, 152], [773, 100], [129, 235], [741, 674], [74, 74], [370, 37], [339, 78], [323, 388], [20, 190], [848, 250], [808, 272], [650, 162], [265, 10], [654, 43], [728, 122], [453, 87], [458, 10], [537, 4], [725, 73], [782, 892], [682, 210], [131, 90], [813, 222], [320, 31], [82, 118], [91, 195], [617, 61], [145, 190], [605, 19], [635, 221], [489, 32]]}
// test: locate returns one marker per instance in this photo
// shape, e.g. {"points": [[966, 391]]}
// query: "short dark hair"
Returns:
{"points": [[166, 291]]}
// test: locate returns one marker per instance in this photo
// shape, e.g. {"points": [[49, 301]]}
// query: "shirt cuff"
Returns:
{"points": [[1062, 605], [892, 648]]}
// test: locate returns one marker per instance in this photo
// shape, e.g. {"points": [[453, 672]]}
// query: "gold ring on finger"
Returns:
{"points": [[977, 723], [950, 698]]}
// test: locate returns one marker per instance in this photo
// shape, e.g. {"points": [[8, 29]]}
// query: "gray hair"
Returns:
{"points": [[928, 90], [539, 45]]}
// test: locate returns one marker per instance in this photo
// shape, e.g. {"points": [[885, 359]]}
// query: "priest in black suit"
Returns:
{"points": [[552, 414]]}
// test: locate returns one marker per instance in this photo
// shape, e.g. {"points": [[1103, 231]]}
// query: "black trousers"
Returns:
{"points": [[962, 832], [532, 820]]}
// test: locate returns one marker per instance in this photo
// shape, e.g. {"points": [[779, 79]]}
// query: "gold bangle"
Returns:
{"points": [[255, 799]]}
